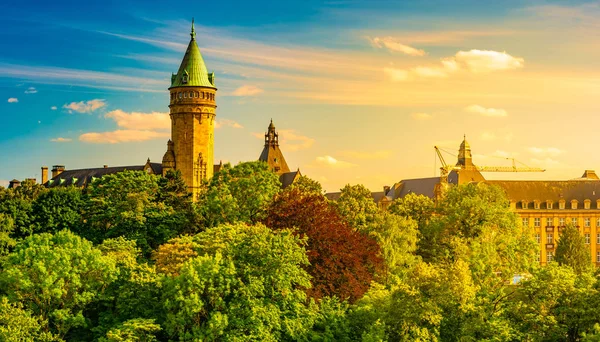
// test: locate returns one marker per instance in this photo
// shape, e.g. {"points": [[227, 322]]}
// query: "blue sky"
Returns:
{"points": [[360, 90]]}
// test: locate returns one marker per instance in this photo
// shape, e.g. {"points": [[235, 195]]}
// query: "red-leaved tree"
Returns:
{"points": [[342, 261]]}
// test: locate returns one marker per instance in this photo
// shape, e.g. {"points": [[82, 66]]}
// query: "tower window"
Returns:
{"points": [[185, 94], [184, 79], [179, 95]]}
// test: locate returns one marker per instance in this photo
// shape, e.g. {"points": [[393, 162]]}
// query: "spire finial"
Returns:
{"points": [[193, 33]]}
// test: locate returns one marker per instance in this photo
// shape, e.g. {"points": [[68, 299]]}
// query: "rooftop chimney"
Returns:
{"points": [[57, 170], [44, 174]]}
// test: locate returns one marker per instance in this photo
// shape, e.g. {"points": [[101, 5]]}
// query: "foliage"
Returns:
{"points": [[239, 194], [134, 330], [307, 185], [397, 238], [127, 204], [56, 277], [357, 206], [57, 209], [572, 251], [170, 256], [247, 285], [6, 229], [417, 207], [343, 262], [17, 324]]}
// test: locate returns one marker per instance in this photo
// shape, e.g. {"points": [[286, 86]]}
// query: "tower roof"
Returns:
{"points": [[192, 71], [271, 154]]}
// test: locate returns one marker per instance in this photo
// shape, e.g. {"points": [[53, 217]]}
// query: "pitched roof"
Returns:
{"points": [[288, 178], [271, 154], [83, 177], [418, 186], [192, 68], [542, 191]]}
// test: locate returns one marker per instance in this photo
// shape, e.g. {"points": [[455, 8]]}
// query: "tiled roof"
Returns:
{"points": [[554, 191], [83, 177]]}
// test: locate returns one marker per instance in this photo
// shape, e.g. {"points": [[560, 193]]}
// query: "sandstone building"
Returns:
{"points": [[192, 104]]}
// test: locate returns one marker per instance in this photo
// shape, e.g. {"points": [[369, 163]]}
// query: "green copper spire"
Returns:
{"points": [[192, 71]]}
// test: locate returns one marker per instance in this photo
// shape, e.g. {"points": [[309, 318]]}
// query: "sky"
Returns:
{"points": [[360, 91]]}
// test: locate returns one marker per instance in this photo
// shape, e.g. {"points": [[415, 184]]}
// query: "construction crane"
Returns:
{"points": [[445, 169]]}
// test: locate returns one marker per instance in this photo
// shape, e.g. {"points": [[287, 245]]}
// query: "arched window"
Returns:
{"points": [[185, 94], [179, 95]]}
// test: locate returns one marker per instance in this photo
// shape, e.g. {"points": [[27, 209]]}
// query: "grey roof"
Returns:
{"points": [[417, 186], [554, 191], [83, 177], [334, 196], [288, 178]]}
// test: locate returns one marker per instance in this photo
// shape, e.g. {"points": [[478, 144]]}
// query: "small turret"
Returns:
{"points": [[168, 161], [271, 153]]}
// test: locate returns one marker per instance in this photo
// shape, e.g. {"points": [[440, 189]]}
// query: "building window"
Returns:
{"points": [[597, 256], [549, 222], [537, 222], [525, 221], [587, 222], [587, 239], [536, 205], [537, 257], [538, 238], [549, 238], [574, 221], [549, 205], [598, 222], [561, 222], [574, 204], [549, 256], [179, 94], [587, 204], [561, 204], [598, 239]]}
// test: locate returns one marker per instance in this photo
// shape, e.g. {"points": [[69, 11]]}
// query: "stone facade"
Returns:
{"points": [[192, 111]]}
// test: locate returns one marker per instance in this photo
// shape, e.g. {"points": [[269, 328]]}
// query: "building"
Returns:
{"points": [[546, 207], [190, 150]]}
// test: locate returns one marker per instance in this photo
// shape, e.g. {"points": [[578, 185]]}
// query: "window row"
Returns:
{"points": [[562, 204], [550, 238], [562, 221], [192, 94]]}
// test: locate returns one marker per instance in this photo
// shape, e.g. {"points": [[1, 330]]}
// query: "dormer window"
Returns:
{"points": [[536, 204], [184, 78], [587, 204], [549, 204], [561, 204], [574, 204]]}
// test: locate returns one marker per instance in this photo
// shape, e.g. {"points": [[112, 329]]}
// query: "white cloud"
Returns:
{"points": [[120, 136], [53, 108], [140, 121], [247, 90], [59, 139], [371, 155], [13, 100], [491, 112], [421, 116], [545, 162], [394, 45], [329, 161], [545, 151], [227, 123], [85, 107], [31, 90], [487, 60]]}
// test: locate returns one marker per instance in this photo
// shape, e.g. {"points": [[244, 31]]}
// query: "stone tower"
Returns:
{"points": [[271, 154], [192, 111]]}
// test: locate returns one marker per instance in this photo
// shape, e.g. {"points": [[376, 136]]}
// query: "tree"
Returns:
{"points": [[572, 251], [307, 185], [241, 193], [17, 324], [247, 284], [57, 209], [171, 256], [127, 204], [6, 229], [417, 207], [134, 330], [357, 206], [343, 262], [56, 277]]}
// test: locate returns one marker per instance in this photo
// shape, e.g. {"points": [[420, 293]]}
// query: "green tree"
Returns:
{"points": [[397, 237], [572, 251], [241, 193], [127, 204], [357, 206], [134, 330], [417, 207], [17, 324], [246, 285], [56, 277], [307, 185], [57, 209], [6, 229]]}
